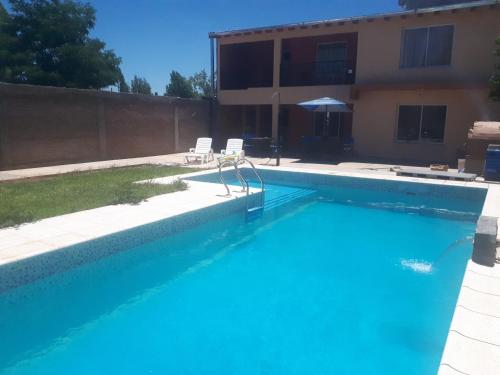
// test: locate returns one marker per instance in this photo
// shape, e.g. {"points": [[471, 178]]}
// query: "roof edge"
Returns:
{"points": [[443, 8]]}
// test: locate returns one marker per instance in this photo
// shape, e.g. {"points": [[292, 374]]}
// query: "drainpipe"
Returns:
{"points": [[212, 66], [211, 125], [276, 147]]}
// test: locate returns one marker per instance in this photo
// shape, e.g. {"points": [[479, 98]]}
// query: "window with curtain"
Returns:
{"points": [[421, 123], [427, 46]]}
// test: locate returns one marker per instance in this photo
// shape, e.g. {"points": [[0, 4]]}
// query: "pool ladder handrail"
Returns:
{"points": [[235, 162]]}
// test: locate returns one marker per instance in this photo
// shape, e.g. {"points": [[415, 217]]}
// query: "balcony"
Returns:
{"points": [[318, 73], [241, 77], [246, 65]]}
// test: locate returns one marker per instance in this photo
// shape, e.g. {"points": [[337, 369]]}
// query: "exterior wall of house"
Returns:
{"points": [[375, 122], [472, 61], [381, 84]]}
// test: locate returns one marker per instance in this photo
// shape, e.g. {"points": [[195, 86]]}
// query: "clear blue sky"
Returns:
{"points": [[155, 36]]}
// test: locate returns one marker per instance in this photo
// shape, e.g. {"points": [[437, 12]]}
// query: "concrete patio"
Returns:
{"points": [[179, 159]]}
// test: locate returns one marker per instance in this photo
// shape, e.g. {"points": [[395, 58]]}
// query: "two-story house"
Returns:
{"points": [[416, 80]]}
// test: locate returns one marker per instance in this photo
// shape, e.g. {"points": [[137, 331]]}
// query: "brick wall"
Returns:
{"points": [[42, 126]]}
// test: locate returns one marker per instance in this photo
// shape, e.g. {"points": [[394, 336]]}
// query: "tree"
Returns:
{"points": [[415, 4], [495, 77], [179, 86], [201, 84], [139, 85], [10, 55], [122, 84], [3, 13], [47, 42]]}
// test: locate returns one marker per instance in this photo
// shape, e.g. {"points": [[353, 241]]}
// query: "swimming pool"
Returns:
{"points": [[340, 275]]}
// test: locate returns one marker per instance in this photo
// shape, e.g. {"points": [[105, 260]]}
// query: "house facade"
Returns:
{"points": [[416, 80]]}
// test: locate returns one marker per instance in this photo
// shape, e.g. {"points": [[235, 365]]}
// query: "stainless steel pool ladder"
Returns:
{"points": [[250, 211]]}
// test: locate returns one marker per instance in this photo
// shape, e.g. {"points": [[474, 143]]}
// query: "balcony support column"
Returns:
{"points": [[276, 63], [275, 118], [257, 121], [275, 100]]}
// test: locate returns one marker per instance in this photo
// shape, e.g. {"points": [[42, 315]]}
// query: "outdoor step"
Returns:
{"points": [[286, 198], [254, 213]]}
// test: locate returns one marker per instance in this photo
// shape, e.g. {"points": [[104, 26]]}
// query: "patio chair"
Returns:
{"points": [[203, 151], [348, 144], [234, 147]]}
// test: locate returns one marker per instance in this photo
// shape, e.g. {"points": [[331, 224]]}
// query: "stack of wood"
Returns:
{"points": [[485, 130], [482, 134], [439, 167]]}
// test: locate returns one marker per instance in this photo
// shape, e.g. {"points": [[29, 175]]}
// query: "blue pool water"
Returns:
{"points": [[323, 284]]}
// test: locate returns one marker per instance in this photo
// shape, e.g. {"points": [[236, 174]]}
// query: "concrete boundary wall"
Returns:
{"points": [[41, 126]]}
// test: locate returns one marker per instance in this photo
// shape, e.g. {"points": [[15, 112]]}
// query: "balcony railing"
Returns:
{"points": [[339, 72], [241, 78]]}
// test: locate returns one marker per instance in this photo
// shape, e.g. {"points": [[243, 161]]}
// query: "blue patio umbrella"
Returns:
{"points": [[326, 105]]}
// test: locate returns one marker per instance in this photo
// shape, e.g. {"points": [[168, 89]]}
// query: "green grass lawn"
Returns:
{"points": [[31, 200]]}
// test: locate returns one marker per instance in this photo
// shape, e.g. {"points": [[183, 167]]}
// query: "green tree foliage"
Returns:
{"points": [[196, 86], [179, 86], [122, 84], [47, 42], [201, 84], [414, 4], [4, 21], [495, 77], [9, 45], [3, 13], [139, 85]]}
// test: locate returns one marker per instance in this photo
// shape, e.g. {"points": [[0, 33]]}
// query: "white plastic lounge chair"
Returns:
{"points": [[234, 147], [202, 151]]}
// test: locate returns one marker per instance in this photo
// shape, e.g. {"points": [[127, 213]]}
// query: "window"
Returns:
{"points": [[427, 46], [409, 122], [421, 123], [331, 51], [334, 128], [330, 64]]}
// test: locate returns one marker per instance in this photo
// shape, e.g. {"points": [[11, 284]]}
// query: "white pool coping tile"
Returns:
{"points": [[477, 326], [481, 302], [27, 248], [445, 369], [13, 239], [492, 202], [464, 352], [67, 239], [487, 284]]}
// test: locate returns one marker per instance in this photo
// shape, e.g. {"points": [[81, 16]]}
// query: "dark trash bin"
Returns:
{"points": [[492, 163]]}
